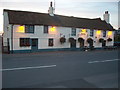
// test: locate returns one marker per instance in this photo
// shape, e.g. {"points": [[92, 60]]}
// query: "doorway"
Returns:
{"points": [[34, 44], [104, 43], [73, 44], [82, 44]]}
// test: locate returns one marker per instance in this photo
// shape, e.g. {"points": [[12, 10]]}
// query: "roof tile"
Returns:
{"points": [[34, 18]]}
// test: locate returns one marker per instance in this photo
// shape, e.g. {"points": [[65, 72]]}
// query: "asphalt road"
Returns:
{"points": [[65, 69]]}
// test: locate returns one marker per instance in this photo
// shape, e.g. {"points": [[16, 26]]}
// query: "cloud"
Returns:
{"points": [[65, 7], [64, 1], [23, 1]]}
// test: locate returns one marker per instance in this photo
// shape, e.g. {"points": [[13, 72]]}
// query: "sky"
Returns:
{"points": [[76, 8]]}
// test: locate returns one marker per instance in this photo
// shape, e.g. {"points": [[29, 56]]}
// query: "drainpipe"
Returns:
{"points": [[12, 38]]}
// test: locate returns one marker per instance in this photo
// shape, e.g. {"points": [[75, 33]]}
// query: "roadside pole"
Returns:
{"points": [[0, 62]]}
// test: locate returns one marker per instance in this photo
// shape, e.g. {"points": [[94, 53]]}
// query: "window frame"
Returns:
{"points": [[29, 28], [91, 33], [45, 29], [50, 44], [73, 32], [24, 42], [104, 33]]}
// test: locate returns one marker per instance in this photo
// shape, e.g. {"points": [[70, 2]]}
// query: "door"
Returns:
{"points": [[34, 44], [73, 44], [81, 44], [104, 43]]}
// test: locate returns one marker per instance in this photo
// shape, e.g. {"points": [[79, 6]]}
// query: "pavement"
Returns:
{"points": [[62, 69]]}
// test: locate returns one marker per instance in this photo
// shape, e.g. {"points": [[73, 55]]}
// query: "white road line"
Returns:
{"points": [[23, 68], [103, 61]]}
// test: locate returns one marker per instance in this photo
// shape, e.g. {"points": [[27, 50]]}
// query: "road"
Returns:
{"points": [[63, 69]]}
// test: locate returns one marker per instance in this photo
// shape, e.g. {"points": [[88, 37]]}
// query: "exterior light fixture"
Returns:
{"points": [[83, 31], [53, 28], [21, 29], [109, 33], [98, 32]]}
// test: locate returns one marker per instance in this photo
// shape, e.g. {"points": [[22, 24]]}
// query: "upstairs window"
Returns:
{"points": [[104, 33], [73, 32], [24, 42], [29, 28], [45, 30], [91, 33], [50, 42]]}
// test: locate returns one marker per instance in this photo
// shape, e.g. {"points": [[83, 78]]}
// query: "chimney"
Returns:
{"points": [[106, 16], [51, 10]]}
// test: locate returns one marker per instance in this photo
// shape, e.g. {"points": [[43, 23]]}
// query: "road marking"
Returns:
{"points": [[103, 61], [23, 68]]}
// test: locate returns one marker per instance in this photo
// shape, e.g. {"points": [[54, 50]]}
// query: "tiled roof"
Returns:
{"points": [[34, 18]]}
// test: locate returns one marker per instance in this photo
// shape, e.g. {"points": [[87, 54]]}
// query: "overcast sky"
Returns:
{"points": [[77, 8]]}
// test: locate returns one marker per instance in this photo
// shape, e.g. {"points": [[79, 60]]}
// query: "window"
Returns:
{"points": [[50, 42], [104, 33], [91, 33], [24, 42], [29, 28], [73, 32], [45, 29]]}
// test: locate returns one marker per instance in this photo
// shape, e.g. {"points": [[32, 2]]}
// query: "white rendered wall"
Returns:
{"points": [[17, 35], [59, 32], [112, 37], [6, 30], [43, 38]]}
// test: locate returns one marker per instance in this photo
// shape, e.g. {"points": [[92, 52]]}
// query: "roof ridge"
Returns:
{"points": [[54, 15], [24, 11]]}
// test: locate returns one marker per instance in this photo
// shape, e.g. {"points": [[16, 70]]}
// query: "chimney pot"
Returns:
{"points": [[106, 12], [50, 4]]}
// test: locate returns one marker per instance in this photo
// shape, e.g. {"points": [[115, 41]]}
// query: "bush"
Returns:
{"points": [[62, 40], [109, 39]]}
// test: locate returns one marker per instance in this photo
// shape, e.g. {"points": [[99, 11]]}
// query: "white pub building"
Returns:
{"points": [[32, 32]]}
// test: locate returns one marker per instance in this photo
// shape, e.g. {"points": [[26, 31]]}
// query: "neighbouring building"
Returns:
{"points": [[31, 31], [117, 38], [117, 32]]}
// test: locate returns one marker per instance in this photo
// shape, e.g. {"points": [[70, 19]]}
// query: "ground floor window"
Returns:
{"points": [[50, 42], [24, 42]]}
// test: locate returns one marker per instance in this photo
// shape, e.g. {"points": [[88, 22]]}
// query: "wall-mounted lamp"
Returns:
{"points": [[109, 33], [53, 28], [21, 29], [98, 32]]}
